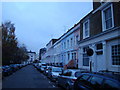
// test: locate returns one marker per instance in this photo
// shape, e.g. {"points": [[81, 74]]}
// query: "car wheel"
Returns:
{"points": [[57, 83]]}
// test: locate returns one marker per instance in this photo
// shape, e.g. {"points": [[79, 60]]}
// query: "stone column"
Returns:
{"points": [[105, 55], [93, 58], [80, 58]]}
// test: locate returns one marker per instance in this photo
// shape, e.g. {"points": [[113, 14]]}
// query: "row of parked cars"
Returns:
{"points": [[75, 79], [7, 70]]}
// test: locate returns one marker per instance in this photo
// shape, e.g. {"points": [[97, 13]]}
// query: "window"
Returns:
{"points": [[68, 43], [107, 14], [68, 73], [68, 56], [116, 54], [71, 41], [75, 56], [85, 57], [83, 79], [99, 48], [72, 56], [96, 82], [76, 39], [86, 29], [111, 84], [64, 45]]}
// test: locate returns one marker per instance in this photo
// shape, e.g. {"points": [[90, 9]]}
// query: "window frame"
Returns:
{"points": [[114, 55], [76, 39], [71, 41], [84, 36], [85, 56], [103, 17]]}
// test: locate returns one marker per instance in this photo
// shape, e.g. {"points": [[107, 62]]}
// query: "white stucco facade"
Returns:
{"points": [[104, 60], [32, 56]]}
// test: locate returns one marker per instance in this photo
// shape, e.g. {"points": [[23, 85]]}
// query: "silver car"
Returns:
{"points": [[53, 73], [68, 77]]}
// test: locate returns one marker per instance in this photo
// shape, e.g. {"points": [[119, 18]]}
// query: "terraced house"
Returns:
{"points": [[99, 30]]}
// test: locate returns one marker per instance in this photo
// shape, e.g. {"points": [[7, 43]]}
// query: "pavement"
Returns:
{"points": [[27, 77]]}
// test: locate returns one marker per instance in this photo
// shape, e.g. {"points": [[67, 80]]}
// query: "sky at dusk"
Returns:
{"points": [[37, 23]]}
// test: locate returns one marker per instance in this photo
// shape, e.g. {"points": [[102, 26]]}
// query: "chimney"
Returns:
{"points": [[96, 4]]}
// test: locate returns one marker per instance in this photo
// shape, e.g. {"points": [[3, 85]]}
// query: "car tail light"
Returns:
{"points": [[73, 80]]}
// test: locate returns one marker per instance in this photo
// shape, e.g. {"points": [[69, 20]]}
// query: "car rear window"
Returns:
{"points": [[84, 78], [96, 81], [77, 74], [111, 84], [56, 69], [44, 65]]}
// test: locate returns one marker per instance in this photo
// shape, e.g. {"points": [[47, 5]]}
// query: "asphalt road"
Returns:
{"points": [[27, 77]]}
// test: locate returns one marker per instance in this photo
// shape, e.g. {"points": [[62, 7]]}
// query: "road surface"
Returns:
{"points": [[27, 77]]}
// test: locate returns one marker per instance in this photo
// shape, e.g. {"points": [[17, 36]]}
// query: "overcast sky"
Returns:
{"points": [[38, 22]]}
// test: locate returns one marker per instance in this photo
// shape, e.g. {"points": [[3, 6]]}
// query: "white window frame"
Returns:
{"points": [[84, 29], [111, 55], [103, 18], [84, 53]]}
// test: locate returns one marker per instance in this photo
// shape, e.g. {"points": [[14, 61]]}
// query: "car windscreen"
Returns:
{"points": [[44, 65], [77, 74], [56, 69]]}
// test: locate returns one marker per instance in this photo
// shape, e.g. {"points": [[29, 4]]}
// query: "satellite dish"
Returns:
{"points": [[90, 52]]}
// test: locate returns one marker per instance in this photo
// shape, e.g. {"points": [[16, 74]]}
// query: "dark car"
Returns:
{"points": [[42, 67], [93, 81], [14, 67], [6, 70], [68, 77], [46, 70]]}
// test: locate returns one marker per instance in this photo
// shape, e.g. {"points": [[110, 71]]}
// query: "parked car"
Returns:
{"points": [[46, 70], [36, 65], [53, 72], [6, 70], [93, 81], [42, 67], [68, 77]]}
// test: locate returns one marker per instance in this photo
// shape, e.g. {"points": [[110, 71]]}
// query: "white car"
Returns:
{"points": [[53, 73]]}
